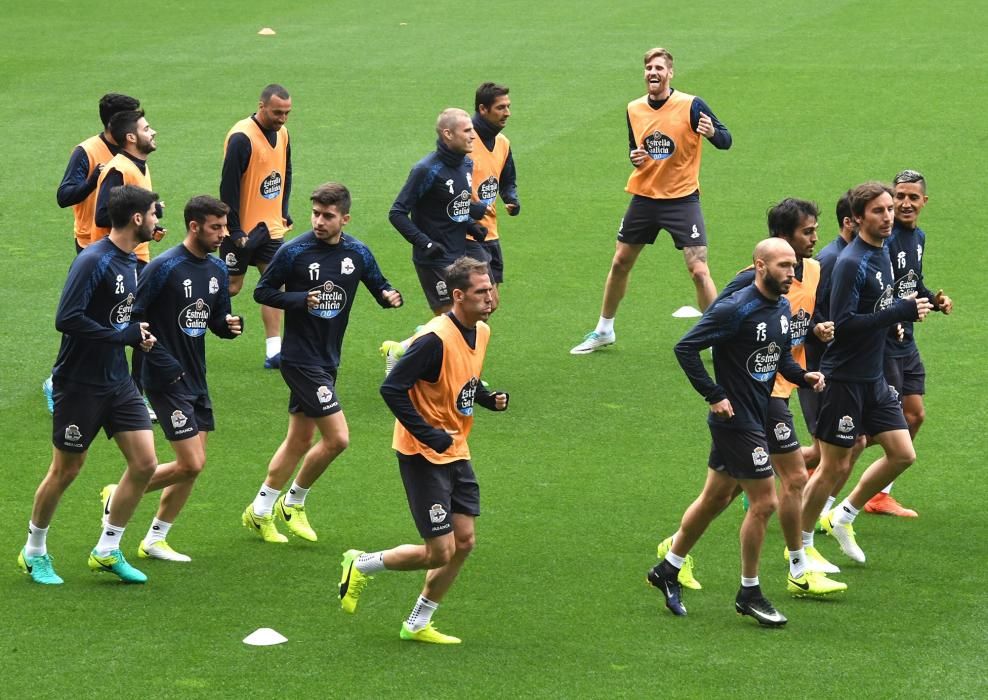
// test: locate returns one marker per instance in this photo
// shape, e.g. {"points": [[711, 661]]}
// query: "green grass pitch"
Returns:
{"points": [[599, 455]]}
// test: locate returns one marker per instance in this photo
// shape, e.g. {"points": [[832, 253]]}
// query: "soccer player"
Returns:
{"points": [[795, 222], [93, 389], [434, 211], [858, 400], [256, 184], [904, 368], [319, 271], [750, 336], [78, 186], [182, 294], [493, 169], [666, 129], [432, 391]]}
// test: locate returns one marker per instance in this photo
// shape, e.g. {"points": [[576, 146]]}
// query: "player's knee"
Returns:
{"points": [[699, 272], [794, 480], [762, 507], [236, 284], [191, 468], [438, 556], [622, 263], [65, 474], [915, 418], [335, 444], [142, 468], [465, 543]]}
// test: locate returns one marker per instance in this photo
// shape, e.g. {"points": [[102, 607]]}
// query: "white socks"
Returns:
{"points": [[808, 539], [264, 501], [675, 559], [797, 562], [272, 346], [109, 539], [37, 541], [888, 489], [370, 563], [845, 513], [749, 582], [828, 505], [605, 326], [157, 532], [421, 614], [296, 495]]}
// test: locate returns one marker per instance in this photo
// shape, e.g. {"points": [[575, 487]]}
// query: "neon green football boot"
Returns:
{"points": [[813, 584], [294, 517], [352, 582], [685, 577], [263, 527], [428, 634]]}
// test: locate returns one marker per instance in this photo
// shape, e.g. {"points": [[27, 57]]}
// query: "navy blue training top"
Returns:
{"points": [[906, 249]]}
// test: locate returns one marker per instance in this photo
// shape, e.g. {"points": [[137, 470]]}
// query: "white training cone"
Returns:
{"points": [[686, 312], [267, 31], [264, 637]]}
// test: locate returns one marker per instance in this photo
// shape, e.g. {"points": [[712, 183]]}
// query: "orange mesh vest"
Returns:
{"points": [[802, 301], [132, 175], [447, 404], [262, 186], [85, 211], [673, 169], [487, 167]]}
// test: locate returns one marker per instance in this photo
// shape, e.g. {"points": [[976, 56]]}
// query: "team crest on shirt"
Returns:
{"points": [[437, 514], [271, 186], [759, 457], [782, 431], [332, 300], [487, 190], [845, 424], [459, 208], [120, 314], [214, 285], [194, 318], [784, 325], [763, 362], [347, 267], [324, 394], [230, 260], [659, 146], [72, 433], [464, 401], [179, 419]]}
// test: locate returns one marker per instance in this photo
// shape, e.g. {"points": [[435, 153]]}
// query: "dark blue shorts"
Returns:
{"points": [[496, 261], [809, 402], [182, 416], [81, 410], [906, 375], [780, 428], [849, 409], [260, 248], [741, 454], [313, 390], [645, 217], [436, 491]]}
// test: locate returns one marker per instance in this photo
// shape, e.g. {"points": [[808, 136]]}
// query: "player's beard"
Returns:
{"points": [[145, 232], [776, 287]]}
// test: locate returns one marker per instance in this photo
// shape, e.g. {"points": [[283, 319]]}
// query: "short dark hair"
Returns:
{"points": [[331, 194], [123, 123], [201, 206], [458, 274], [113, 102], [273, 90], [864, 193], [844, 208], [487, 93], [784, 217], [126, 200], [910, 176]]}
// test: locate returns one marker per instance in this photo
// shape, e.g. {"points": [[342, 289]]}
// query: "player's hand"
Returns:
{"points": [[705, 126], [147, 340], [434, 250], [824, 331], [289, 224], [477, 231], [723, 410], [159, 233], [392, 297], [638, 156], [235, 324], [923, 306], [513, 208], [500, 401], [313, 299], [816, 381], [944, 302]]}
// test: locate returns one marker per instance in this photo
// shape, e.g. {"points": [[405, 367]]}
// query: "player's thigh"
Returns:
{"points": [[685, 224], [639, 226], [333, 429]]}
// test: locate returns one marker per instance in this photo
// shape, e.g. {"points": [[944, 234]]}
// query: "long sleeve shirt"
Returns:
{"points": [[906, 247]]}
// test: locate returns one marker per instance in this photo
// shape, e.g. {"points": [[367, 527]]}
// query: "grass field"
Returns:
{"points": [[598, 455]]}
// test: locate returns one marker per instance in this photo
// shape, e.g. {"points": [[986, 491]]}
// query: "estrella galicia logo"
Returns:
{"points": [[886, 299], [799, 325], [487, 190], [763, 362], [332, 299], [271, 186], [459, 207], [659, 146], [464, 402], [194, 319], [120, 314], [907, 284]]}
